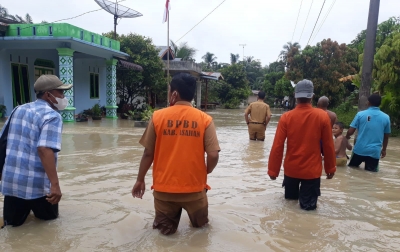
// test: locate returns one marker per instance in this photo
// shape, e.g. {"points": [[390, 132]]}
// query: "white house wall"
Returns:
{"points": [[24, 57], [82, 70]]}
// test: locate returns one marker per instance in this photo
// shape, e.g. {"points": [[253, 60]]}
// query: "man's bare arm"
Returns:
{"points": [[49, 164], [212, 160], [145, 163], [350, 132]]}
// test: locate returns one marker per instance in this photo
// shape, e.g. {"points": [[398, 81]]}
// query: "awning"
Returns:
{"points": [[129, 65]]}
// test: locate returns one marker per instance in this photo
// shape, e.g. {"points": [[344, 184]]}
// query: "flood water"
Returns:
{"points": [[358, 210]]}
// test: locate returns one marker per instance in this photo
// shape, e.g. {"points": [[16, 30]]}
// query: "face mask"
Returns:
{"points": [[61, 103], [172, 99]]}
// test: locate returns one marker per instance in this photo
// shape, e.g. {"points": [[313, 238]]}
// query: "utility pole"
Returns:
{"points": [[369, 51], [368, 58], [243, 50]]}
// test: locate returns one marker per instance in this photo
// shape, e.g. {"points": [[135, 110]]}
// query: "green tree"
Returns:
{"points": [[323, 64], [386, 75], [210, 59], [385, 30], [183, 51], [234, 58], [132, 84], [286, 49], [235, 87]]}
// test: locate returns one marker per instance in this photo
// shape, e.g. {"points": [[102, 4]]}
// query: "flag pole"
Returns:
{"points": [[168, 57]]}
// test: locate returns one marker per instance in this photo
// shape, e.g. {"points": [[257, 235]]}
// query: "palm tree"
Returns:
{"points": [[209, 59], [287, 48], [183, 51], [234, 58]]}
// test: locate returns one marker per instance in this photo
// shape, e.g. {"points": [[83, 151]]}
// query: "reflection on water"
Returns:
{"points": [[358, 211]]}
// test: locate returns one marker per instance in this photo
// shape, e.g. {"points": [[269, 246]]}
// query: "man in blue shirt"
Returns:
{"points": [[373, 135], [29, 179]]}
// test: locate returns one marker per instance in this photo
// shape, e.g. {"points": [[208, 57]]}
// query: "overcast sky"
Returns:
{"points": [[263, 25]]}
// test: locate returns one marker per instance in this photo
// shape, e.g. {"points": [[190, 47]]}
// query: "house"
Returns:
{"points": [[77, 56], [176, 65]]}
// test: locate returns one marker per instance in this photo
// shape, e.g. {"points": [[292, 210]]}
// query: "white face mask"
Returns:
{"points": [[61, 103]]}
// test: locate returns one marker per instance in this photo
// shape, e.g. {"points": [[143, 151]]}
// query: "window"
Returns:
{"points": [[109, 44], [34, 31], [82, 35], [101, 41], [39, 71], [51, 30], [18, 31], [94, 86], [21, 88], [92, 38]]}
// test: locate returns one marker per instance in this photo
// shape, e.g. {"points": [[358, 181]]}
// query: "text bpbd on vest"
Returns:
{"points": [[185, 128]]}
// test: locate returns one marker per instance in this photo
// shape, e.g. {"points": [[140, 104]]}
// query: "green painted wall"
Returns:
{"points": [[60, 30]]}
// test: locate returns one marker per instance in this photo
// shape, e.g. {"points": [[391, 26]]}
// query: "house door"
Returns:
{"points": [[20, 81]]}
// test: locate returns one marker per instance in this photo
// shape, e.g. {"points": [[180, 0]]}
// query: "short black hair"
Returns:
{"points": [[261, 94], [185, 85], [340, 124], [303, 100], [375, 100]]}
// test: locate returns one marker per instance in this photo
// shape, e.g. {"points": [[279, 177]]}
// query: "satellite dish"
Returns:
{"points": [[119, 11]]}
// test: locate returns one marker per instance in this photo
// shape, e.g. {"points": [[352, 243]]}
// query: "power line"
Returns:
{"points": [[316, 21], [326, 16], [297, 20], [64, 19], [306, 20], [201, 20]]}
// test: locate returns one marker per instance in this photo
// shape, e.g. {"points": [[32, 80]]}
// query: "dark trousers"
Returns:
{"points": [[16, 210], [371, 164], [304, 190]]}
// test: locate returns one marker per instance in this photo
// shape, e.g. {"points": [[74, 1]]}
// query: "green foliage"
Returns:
{"points": [[184, 51], [346, 117], [209, 59], [96, 110], [3, 109], [323, 64], [283, 88], [387, 76], [132, 83], [147, 114], [385, 30], [235, 88], [130, 114]]}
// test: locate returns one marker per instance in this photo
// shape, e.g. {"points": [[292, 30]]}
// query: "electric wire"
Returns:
{"points": [[64, 19], [200, 21], [316, 22], [326, 16], [298, 15], [306, 20]]}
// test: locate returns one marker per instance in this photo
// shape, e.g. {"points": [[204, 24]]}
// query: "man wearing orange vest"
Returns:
{"points": [[176, 141]]}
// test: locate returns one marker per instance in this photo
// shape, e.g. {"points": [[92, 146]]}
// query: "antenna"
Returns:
{"points": [[119, 11], [243, 49]]}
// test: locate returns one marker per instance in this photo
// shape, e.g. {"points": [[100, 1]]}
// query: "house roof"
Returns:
{"points": [[163, 51], [129, 65], [8, 21], [212, 75]]}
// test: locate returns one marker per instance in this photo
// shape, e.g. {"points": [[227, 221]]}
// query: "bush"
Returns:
{"points": [[346, 117]]}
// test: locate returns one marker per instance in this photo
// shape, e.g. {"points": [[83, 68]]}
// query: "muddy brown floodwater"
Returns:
{"points": [[358, 210]]}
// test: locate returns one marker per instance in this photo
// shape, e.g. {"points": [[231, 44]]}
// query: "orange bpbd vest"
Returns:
{"points": [[179, 157]]}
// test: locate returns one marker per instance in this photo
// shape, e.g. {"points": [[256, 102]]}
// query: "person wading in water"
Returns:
{"points": [[260, 115]]}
